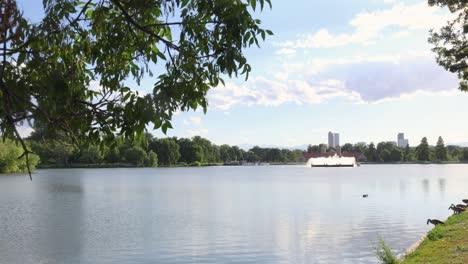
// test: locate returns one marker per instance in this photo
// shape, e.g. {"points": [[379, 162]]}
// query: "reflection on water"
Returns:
{"points": [[267, 214]]}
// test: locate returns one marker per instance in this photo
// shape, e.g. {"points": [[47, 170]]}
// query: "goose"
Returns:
{"points": [[465, 201], [435, 222], [462, 206], [456, 210]]}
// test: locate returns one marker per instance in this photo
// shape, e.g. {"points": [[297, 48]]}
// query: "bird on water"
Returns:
{"points": [[435, 222]]}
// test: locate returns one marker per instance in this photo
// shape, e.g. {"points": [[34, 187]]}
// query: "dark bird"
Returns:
{"points": [[456, 210], [465, 201], [462, 206], [365, 195], [435, 222]]}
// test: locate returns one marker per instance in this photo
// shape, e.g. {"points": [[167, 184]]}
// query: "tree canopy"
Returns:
{"points": [[450, 42], [73, 70]]}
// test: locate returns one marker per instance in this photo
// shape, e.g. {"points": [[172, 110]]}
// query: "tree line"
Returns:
{"points": [[147, 152], [389, 152]]}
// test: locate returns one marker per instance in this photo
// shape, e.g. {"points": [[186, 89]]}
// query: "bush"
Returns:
{"points": [[385, 254]]}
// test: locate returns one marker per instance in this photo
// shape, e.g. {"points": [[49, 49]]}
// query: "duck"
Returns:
{"points": [[435, 222], [365, 195], [456, 210]]}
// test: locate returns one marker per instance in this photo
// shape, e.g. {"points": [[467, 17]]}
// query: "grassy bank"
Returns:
{"points": [[446, 243]]}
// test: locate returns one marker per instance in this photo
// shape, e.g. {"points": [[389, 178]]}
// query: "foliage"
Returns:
{"points": [[9, 162], [152, 160], [71, 70], [371, 153], [385, 255], [422, 151], [136, 155], [440, 150], [450, 41], [167, 150]]}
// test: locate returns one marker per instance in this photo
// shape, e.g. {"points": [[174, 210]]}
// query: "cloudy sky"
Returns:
{"points": [[362, 68]]}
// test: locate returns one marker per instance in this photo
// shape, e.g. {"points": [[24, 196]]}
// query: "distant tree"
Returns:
{"points": [[347, 148], [250, 156], [371, 153], [440, 150], [90, 155], [396, 155], [360, 148], [167, 151], [385, 155], [450, 42], [136, 155], [152, 160], [464, 156], [422, 151], [406, 154], [313, 149], [189, 151], [225, 153]]}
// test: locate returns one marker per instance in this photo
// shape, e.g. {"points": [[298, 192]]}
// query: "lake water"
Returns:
{"points": [[265, 214]]}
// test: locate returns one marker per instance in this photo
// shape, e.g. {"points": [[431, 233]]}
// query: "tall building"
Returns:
{"points": [[402, 142], [337, 139], [331, 140]]}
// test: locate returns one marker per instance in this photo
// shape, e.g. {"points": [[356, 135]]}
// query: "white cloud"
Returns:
{"points": [[368, 26], [197, 132], [286, 51], [194, 120], [358, 79], [265, 92]]}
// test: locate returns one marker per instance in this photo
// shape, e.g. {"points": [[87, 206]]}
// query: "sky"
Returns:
{"points": [[361, 68]]}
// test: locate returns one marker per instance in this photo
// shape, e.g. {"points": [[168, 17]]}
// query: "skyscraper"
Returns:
{"points": [[402, 142], [337, 139], [331, 140]]}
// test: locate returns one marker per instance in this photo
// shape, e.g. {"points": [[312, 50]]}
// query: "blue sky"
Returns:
{"points": [[362, 68]]}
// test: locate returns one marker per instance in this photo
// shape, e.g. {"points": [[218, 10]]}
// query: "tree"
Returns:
{"points": [[189, 152], [71, 70], [167, 151], [136, 156], [422, 151], [465, 155], [440, 150], [396, 155], [347, 148], [450, 42], [225, 153], [371, 153], [152, 160]]}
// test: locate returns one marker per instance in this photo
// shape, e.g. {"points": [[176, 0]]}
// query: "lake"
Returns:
{"points": [[263, 214]]}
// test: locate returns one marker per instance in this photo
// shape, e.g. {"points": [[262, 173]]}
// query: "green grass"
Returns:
{"points": [[385, 255], [445, 244]]}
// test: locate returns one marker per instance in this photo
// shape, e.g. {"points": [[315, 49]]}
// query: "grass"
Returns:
{"points": [[385, 254], [447, 244]]}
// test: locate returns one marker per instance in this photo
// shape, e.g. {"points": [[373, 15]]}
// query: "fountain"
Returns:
{"points": [[332, 161]]}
